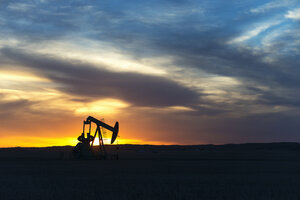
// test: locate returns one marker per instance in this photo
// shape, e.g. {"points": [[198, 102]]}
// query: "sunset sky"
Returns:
{"points": [[170, 71]]}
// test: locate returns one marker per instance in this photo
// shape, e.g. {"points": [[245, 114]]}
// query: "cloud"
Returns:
{"points": [[254, 32], [20, 7], [272, 5], [12, 108], [95, 83], [183, 37], [189, 46], [293, 14]]}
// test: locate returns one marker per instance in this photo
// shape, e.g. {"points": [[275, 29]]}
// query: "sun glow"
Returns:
{"points": [[20, 77], [104, 106], [120, 141], [23, 141], [51, 99]]}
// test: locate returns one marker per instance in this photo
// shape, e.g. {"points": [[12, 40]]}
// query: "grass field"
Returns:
{"points": [[184, 178]]}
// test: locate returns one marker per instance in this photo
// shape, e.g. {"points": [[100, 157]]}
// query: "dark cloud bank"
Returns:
{"points": [[93, 83]]}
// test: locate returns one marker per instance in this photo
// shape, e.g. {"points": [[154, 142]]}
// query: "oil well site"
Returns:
{"points": [[268, 171], [149, 100]]}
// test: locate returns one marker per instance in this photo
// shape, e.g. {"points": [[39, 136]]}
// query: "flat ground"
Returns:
{"points": [[153, 172]]}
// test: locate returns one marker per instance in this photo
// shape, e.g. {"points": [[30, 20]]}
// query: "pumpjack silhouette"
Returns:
{"points": [[84, 148]]}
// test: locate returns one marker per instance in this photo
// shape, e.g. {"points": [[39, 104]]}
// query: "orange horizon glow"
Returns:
{"points": [[66, 141]]}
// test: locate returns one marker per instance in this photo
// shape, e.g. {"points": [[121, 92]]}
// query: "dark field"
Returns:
{"points": [[249, 171]]}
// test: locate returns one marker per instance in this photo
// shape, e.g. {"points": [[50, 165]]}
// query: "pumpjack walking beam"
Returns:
{"points": [[99, 123]]}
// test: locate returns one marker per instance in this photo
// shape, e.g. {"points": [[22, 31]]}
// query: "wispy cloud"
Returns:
{"points": [[293, 14], [255, 31], [272, 5], [20, 7]]}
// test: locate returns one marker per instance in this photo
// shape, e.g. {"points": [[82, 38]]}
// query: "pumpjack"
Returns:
{"points": [[84, 148]]}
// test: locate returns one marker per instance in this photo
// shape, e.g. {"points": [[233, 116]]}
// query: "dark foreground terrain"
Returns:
{"points": [[248, 171]]}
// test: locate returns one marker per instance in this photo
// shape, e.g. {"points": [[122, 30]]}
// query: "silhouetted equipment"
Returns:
{"points": [[84, 148], [103, 131]]}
